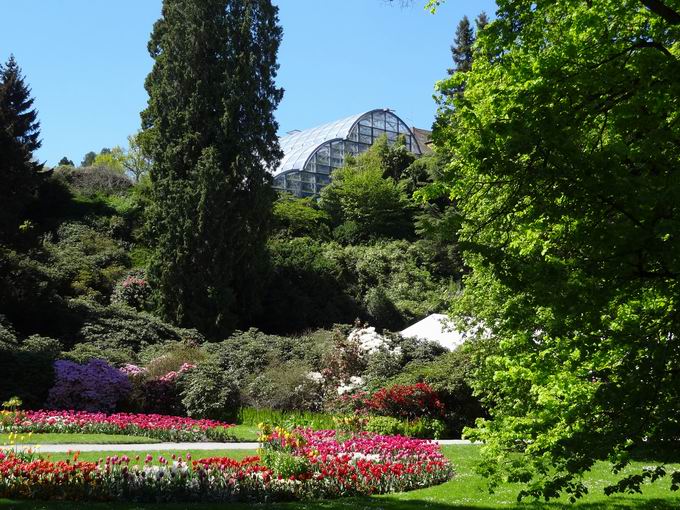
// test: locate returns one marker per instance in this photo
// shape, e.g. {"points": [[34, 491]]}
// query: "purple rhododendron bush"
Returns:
{"points": [[292, 465], [94, 386]]}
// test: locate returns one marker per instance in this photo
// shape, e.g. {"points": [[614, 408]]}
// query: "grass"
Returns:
{"points": [[466, 491], [79, 438], [244, 433]]}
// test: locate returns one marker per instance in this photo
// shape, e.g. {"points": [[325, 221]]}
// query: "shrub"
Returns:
{"points": [[94, 179], [26, 369], [406, 401], [119, 327], [300, 217], [385, 425], [133, 290], [84, 352], [285, 386], [285, 464], [95, 386], [86, 260], [162, 359], [426, 428], [449, 375], [210, 392]]}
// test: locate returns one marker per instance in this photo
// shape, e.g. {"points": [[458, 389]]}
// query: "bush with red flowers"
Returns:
{"points": [[405, 401]]}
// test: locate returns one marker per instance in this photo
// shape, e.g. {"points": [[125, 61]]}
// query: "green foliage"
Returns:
{"points": [[563, 161], [113, 159], [286, 419], [385, 425], [26, 369], [245, 354], [305, 288], [117, 327], [317, 284], [300, 217], [210, 392], [210, 131], [363, 203], [83, 352], [284, 386], [285, 464], [87, 260], [427, 428]]}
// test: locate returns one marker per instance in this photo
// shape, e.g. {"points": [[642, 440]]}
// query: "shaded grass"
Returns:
{"points": [[466, 491], [79, 438]]}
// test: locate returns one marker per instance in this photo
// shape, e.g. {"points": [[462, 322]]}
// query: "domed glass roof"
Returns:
{"points": [[310, 156]]}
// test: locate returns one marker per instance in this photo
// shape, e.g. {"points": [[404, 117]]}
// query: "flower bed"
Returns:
{"points": [[298, 465], [165, 428]]}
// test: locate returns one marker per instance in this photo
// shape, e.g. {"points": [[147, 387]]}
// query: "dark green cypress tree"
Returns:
{"points": [[210, 131], [19, 137]]}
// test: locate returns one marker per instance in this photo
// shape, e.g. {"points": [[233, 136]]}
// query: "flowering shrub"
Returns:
{"points": [[94, 386], [133, 291], [165, 428], [405, 401], [315, 464]]}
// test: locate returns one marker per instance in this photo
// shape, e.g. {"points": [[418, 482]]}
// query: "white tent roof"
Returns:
{"points": [[438, 328]]}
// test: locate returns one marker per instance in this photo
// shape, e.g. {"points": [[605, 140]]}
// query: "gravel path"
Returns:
{"points": [[60, 448]]}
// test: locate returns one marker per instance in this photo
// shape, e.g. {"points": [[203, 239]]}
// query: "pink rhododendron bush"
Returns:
{"points": [[297, 465], [165, 428]]}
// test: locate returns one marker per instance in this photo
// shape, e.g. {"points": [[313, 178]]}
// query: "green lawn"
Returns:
{"points": [[244, 433], [466, 491], [78, 438]]}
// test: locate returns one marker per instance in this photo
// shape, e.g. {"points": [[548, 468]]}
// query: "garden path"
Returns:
{"points": [[60, 448]]}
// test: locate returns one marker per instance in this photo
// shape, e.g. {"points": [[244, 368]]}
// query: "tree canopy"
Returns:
{"points": [[563, 162]]}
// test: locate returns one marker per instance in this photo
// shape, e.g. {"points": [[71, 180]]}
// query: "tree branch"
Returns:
{"points": [[658, 7]]}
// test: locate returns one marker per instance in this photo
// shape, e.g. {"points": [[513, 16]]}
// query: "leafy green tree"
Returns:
{"points": [[136, 161], [210, 131], [113, 159], [299, 217], [563, 156], [88, 159], [19, 138], [364, 204], [65, 162]]}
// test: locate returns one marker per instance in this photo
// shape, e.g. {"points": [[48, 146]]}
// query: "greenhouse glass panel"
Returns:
{"points": [[379, 120], [364, 130]]}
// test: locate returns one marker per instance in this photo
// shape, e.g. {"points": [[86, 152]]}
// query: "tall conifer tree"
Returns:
{"points": [[210, 131], [19, 137], [461, 49]]}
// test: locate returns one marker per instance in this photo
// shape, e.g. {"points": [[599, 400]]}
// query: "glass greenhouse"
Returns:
{"points": [[310, 156]]}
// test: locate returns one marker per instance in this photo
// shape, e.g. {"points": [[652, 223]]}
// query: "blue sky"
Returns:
{"points": [[86, 61]]}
